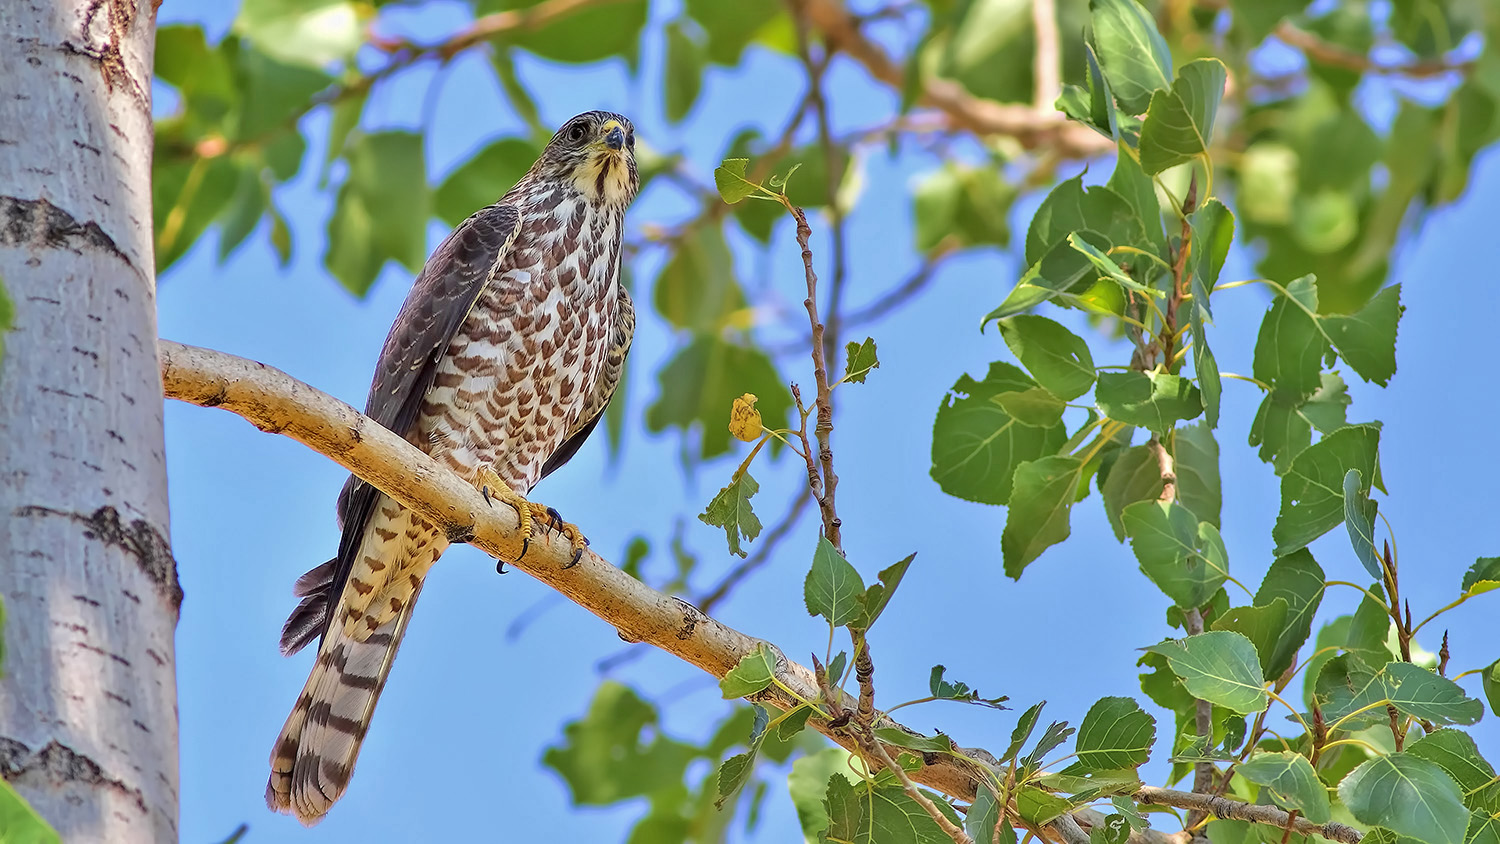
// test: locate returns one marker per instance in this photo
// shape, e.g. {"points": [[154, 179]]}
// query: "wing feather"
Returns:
{"points": [[604, 385], [435, 309]]}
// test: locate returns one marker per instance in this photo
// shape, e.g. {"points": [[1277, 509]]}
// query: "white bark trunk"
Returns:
{"points": [[88, 720]]}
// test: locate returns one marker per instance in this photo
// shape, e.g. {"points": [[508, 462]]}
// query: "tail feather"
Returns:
{"points": [[314, 757]]}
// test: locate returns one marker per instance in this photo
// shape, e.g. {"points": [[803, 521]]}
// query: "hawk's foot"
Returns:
{"points": [[554, 521], [494, 489]]}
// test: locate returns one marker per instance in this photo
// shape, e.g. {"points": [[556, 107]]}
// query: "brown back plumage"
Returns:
{"points": [[503, 358]]}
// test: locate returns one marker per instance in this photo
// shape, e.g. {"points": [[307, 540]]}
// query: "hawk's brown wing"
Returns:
{"points": [[604, 386], [435, 309]]}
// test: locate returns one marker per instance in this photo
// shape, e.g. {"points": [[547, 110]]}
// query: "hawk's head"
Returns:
{"points": [[595, 151]]}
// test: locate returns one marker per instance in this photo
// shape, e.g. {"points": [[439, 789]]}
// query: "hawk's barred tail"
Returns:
{"points": [[314, 756]]}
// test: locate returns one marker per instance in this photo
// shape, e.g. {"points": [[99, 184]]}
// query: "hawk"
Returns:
{"points": [[499, 365]]}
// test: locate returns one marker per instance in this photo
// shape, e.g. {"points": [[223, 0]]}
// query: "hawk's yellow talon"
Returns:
{"points": [[495, 489]]}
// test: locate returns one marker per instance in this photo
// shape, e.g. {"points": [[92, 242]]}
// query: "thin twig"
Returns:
{"points": [[1203, 715], [1324, 52], [829, 479], [1219, 807], [947, 826], [1053, 133]]}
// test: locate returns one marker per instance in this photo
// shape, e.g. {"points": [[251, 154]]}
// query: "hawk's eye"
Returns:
{"points": [[576, 132], [630, 140]]}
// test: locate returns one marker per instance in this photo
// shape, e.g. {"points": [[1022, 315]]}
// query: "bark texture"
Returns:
{"points": [[88, 721]]}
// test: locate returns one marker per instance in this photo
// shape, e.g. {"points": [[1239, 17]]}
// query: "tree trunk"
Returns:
{"points": [[88, 721]]}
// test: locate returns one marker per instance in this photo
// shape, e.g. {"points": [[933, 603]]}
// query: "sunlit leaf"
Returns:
{"points": [[832, 589], [1116, 733], [1219, 667], [1038, 517], [977, 445], [754, 673], [609, 755], [1291, 782], [730, 509], [1312, 492]]}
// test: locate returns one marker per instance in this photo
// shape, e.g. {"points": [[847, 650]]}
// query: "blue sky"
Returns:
{"points": [[454, 751]]}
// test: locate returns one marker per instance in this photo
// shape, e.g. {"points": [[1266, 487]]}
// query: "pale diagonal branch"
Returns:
{"points": [[277, 403]]}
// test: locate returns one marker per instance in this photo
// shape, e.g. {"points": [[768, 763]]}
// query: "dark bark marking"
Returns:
{"points": [[40, 224], [140, 539], [57, 765]]}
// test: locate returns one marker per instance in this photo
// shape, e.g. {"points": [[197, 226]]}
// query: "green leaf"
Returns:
{"points": [[1420, 693], [274, 94], [1135, 57], [1116, 733], [700, 383], [794, 723], [1259, 17], [1219, 667], [1297, 580], [1138, 190], [243, 212], [731, 510], [1207, 368], [901, 738], [1490, 680], [729, 178], [697, 289], [1284, 423], [878, 595], [1262, 625], [1455, 752], [1312, 494], [19, 823], [859, 359], [961, 206], [945, 690], [1179, 125], [483, 179], [315, 33], [1057, 358], [1367, 339], [1071, 208], [1291, 781], [1024, 726], [381, 211], [755, 672], [808, 783], [977, 445], [7, 322], [837, 664], [1035, 407], [1135, 476], [1290, 348], [186, 198], [731, 27], [1196, 453], [604, 758], [733, 774], [1037, 807], [1213, 234], [1150, 400], [1062, 268], [1483, 576], [983, 816], [1045, 490], [880, 815], [1092, 104], [1184, 557], [1407, 795], [833, 588], [683, 75], [587, 34], [1359, 518]]}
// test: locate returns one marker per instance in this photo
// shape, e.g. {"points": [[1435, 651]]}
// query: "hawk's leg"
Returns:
{"points": [[496, 489]]}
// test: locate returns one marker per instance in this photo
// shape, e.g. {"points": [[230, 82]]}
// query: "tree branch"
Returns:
{"points": [[1334, 55], [1047, 71], [1220, 807], [1051, 132], [277, 403]]}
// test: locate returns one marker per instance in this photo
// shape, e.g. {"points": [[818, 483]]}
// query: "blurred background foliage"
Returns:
{"points": [[1343, 125]]}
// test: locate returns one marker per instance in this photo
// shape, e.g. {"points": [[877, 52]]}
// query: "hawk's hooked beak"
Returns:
{"points": [[614, 136]]}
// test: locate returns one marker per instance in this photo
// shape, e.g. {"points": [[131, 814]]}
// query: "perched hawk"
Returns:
{"points": [[499, 365]]}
